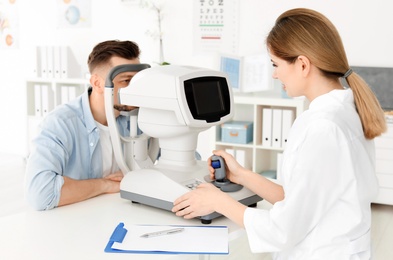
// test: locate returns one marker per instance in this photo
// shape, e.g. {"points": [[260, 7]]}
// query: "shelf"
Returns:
{"points": [[44, 94], [384, 165], [249, 107], [59, 80], [268, 98], [249, 145]]}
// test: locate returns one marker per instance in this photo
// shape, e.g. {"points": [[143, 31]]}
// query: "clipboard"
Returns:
{"points": [[125, 239]]}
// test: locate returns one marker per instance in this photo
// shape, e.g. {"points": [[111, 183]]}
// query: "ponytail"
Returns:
{"points": [[368, 107]]}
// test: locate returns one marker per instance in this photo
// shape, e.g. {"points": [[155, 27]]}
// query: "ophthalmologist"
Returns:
{"points": [[322, 210]]}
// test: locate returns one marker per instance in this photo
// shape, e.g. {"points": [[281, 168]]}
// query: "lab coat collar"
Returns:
{"points": [[334, 97]]}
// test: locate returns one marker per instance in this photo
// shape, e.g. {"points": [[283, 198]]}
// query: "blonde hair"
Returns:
{"points": [[307, 32]]}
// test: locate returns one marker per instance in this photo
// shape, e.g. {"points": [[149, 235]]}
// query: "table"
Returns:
{"points": [[82, 230]]}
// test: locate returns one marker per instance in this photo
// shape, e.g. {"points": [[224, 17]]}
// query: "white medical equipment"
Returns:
{"points": [[175, 103]]}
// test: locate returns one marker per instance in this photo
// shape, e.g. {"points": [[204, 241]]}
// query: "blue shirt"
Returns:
{"points": [[67, 145]]}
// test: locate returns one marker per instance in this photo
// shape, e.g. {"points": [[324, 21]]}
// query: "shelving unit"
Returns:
{"points": [[248, 107], [384, 164], [44, 94]]}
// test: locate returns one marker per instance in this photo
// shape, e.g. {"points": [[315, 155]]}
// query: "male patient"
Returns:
{"points": [[72, 159]]}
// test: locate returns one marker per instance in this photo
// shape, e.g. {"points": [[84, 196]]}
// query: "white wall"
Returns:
{"points": [[365, 27]]}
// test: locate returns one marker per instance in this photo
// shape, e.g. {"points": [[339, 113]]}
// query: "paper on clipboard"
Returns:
{"points": [[193, 240]]}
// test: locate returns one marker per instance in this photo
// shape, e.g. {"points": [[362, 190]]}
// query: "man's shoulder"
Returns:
{"points": [[65, 115], [65, 112]]}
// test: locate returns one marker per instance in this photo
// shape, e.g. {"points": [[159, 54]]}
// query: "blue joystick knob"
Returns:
{"points": [[221, 182], [219, 167]]}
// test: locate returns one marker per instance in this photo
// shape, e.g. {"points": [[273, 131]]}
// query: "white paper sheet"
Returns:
{"points": [[194, 239]]}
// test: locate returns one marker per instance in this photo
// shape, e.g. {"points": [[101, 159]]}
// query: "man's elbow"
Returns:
{"points": [[41, 190], [40, 200]]}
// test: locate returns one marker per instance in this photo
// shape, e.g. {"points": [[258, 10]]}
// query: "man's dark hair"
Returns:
{"points": [[104, 51]]}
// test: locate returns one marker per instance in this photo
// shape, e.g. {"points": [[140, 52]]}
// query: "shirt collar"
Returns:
{"points": [[88, 116]]}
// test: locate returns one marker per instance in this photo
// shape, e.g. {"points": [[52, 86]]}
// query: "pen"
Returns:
{"points": [[163, 232]]}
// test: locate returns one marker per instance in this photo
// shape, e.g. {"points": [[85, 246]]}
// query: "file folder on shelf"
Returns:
{"points": [[68, 64], [37, 100], [267, 127], [194, 240], [44, 61], [47, 101], [56, 62], [36, 56], [49, 62], [64, 95], [277, 127], [288, 116]]}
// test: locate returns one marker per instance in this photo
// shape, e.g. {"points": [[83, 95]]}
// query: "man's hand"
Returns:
{"points": [[116, 176], [113, 182]]}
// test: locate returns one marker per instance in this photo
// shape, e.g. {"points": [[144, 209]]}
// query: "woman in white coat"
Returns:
{"points": [[322, 210]]}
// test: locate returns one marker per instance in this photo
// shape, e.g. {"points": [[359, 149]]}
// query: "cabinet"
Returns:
{"points": [[44, 94], [255, 155], [384, 164]]}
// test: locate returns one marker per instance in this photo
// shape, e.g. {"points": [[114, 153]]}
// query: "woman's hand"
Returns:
{"points": [[199, 202], [206, 199], [233, 168]]}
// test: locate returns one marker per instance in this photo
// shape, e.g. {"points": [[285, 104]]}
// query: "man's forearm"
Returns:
{"points": [[78, 190]]}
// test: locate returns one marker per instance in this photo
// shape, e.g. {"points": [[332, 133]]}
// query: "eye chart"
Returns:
{"points": [[216, 26]]}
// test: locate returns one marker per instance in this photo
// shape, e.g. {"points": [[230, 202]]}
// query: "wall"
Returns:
{"points": [[365, 27]]}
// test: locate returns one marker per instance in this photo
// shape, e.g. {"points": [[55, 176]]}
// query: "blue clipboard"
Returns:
{"points": [[120, 233]]}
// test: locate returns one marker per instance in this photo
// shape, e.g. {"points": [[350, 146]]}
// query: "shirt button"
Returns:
{"points": [[91, 144]]}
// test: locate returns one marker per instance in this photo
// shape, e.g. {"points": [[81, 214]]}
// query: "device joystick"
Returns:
{"points": [[219, 169], [217, 162]]}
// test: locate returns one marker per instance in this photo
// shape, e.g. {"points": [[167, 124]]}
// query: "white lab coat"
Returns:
{"points": [[328, 176]]}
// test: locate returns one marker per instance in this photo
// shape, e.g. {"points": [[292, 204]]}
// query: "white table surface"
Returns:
{"points": [[82, 230]]}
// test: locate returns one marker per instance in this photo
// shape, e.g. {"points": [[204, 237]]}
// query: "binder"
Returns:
{"points": [[267, 127], [194, 240], [64, 61], [37, 100], [72, 92], [50, 61], [288, 117], [241, 158], [68, 63], [36, 70], [277, 128], [44, 61], [56, 62], [64, 96], [46, 99], [68, 93]]}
